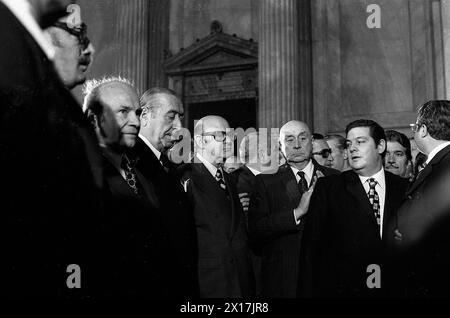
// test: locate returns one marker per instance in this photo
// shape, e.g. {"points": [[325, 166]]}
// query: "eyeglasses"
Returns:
{"points": [[324, 153], [80, 32], [415, 127], [220, 136]]}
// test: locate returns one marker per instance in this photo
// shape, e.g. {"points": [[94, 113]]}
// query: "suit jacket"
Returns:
{"points": [[51, 177], [176, 213], [273, 227], [422, 253], [342, 237], [224, 264], [136, 252]]}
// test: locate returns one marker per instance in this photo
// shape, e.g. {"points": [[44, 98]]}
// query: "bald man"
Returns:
{"points": [[224, 265], [276, 210]]}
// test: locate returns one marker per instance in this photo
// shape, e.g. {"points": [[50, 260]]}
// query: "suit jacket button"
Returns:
{"points": [[409, 197]]}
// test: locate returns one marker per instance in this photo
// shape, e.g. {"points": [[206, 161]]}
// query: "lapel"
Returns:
{"points": [[289, 181], [207, 184], [149, 190], [118, 184], [356, 189], [394, 194], [428, 170]]}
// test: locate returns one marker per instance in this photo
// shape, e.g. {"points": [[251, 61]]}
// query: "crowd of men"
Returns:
{"points": [[358, 215]]}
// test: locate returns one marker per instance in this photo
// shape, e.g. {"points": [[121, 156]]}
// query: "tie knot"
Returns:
{"points": [[301, 174], [219, 175], [372, 182]]}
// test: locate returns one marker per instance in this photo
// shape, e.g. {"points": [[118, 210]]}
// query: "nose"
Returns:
{"points": [[297, 144], [89, 50], [390, 158], [177, 122]]}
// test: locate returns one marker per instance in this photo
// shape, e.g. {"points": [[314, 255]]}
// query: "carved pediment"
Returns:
{"points": [[214, 52]]}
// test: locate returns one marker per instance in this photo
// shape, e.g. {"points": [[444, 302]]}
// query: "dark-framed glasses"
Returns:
{"points": [[79, 31], [220, 136], [324, 153]]}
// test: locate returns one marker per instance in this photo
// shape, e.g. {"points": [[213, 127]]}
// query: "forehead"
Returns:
{"points": [[394, 145], [215, 124], [169, 103], [358, 132], [117, 94], [295, 130]]}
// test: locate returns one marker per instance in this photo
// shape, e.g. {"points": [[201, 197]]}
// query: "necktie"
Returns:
{"points": [[374, 199], [130, 174], [302, 184], [165, 162], [220, 180]]}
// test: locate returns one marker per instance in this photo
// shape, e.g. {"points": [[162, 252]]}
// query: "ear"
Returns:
{"points": [[381, 146], [143, 117], [423, 131], [93, 120], [345, 154], [198, 141]]}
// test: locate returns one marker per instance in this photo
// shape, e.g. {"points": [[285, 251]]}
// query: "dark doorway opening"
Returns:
{"points": [[239, 113]]}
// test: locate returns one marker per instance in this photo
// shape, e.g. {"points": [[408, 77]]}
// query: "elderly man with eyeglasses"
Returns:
{"points": [[73, 51], [224, 259]]}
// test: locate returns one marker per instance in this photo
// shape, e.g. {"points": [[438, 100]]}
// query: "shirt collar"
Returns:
{"points": [[208, 165], [435, 151], [308, 170], [254, 171], [379, 178], [149, 144], [22, 11]]}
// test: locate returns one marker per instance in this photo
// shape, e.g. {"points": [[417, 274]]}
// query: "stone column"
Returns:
{"points": [[445, 15], [278, 63], [131, 33]]}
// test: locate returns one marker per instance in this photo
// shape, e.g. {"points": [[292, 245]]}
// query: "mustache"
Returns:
{"points": [[391, 166]]}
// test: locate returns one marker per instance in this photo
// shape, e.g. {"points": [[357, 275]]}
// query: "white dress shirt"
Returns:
{"points": [[309, 172], [254, 171], [435, 151], [380, 188], [22, 10]]}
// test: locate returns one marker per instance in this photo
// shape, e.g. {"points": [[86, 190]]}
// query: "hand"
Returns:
{"points": [[245, 200], [303, 206]]}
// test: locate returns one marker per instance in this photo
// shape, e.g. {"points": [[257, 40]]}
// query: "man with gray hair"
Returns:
{"points": [[136, 255], [161, 116]]}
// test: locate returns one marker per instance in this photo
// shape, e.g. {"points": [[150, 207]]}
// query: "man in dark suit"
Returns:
{"points": [[276, 210], [161, 115], [344, 228], [224, 264], [257, 160], [418, 237], [52, 175], [135, 252]]}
